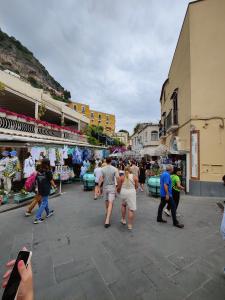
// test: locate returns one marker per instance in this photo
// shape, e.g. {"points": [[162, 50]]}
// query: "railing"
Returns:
{"points": [[29, 127], [168, 120], [162, 132], [171, 121]]}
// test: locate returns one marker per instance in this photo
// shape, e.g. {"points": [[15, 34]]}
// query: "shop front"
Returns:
{"points": [[178, 157], [65, 161]]}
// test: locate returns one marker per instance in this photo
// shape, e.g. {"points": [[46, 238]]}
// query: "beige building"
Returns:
{"points": [[123, 137], [19, 97], [146, 139], [193, 101]]}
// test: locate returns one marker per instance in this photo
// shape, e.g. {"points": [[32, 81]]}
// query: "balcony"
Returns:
{"points": [[171, 121], [36, 129], [162, 132]]}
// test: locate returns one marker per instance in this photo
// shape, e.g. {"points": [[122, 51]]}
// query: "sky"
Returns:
{"points": [[111, 54]]}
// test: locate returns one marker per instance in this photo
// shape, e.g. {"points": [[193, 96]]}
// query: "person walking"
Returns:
{"points": [[127, 189], [176, 188], [98, 174], [109, 178], [167, 197], [44, 179], [134, 169], [142, 176]]}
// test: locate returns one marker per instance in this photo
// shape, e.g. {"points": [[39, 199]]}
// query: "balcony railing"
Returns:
{"points": [[37, 130], [162, 132], [171, 121]]}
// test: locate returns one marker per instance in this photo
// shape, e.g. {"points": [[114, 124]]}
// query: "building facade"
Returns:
{"points": [[123, 137], [28, 114], [107, 121], [192, 99], [146, 140]]}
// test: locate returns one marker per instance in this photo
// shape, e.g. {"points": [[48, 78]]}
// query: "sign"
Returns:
{"points": [[195, 154]]}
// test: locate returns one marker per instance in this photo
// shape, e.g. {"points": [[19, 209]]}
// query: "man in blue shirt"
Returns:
{"points": [[166, 197]]}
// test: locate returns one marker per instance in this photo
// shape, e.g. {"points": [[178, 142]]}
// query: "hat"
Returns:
{"points": [[13, 153]]}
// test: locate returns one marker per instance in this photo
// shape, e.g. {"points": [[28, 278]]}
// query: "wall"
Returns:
{"points": [[207, 27], [179, 77], [142, 135], [109, 127]]}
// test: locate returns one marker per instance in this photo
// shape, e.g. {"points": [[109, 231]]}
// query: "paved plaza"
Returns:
{"points": [[75, 257]]}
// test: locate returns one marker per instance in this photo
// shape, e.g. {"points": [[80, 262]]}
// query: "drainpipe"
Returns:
{"points": [[36, 117], [62, 123]]}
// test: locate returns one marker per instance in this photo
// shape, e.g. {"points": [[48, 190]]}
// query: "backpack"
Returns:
{"points": [[30, 182]]}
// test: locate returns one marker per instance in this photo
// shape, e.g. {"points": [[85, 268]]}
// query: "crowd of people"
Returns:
{"points": [[113, 178], [122, 178]]}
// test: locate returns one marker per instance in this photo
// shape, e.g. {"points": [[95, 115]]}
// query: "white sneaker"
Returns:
{"points": [[27, 214], [167, 212]]}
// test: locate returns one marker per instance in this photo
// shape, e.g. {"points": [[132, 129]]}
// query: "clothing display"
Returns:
{"points": [[52, 156], [77, 156], [29, 167]]}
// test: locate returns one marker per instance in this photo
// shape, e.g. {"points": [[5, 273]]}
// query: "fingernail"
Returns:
{"points": [[20, 264]]}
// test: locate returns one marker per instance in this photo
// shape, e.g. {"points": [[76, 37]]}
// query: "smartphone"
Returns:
{"points": [[11, 289]]}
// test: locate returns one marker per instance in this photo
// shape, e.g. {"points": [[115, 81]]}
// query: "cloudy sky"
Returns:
{"points": [[111, 54]]}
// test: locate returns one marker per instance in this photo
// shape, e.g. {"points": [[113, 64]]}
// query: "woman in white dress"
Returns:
{"points": [[127, 189]]}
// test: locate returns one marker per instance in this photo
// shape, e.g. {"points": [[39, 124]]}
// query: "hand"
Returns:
{"points": [[25, 290], [167, 197]]}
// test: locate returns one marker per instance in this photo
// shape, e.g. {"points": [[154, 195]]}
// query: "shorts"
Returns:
{"points": [[109, 193], [128, 197]]}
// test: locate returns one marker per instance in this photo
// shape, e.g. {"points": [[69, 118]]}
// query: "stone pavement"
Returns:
{"points": [[75, 257]]}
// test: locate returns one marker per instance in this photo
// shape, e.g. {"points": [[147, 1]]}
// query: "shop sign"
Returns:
{"points": [[195, 155]]}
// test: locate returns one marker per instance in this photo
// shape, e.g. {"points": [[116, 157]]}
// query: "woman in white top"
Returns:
{"points": [[127, 190]]}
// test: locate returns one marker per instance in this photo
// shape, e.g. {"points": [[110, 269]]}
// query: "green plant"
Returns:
{"points": [[41, 110], [2, 192], [93, 141], [2, 88], [24, 192]]}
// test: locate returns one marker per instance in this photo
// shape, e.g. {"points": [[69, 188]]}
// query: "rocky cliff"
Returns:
{"points": [[18, 59]]}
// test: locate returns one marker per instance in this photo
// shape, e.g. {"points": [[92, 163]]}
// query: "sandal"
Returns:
{"points": [[130, 227], [123, 222]]}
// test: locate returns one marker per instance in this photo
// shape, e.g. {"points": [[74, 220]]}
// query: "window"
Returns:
{"points": [[100, 117], [146, 137], [83, 110], [92, 115], [107, 119], [75, 107], [174, 97], [164, 96], [154, 136]]}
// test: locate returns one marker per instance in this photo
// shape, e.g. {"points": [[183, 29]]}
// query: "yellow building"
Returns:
{"points": [[107, 121], [193, 101]]}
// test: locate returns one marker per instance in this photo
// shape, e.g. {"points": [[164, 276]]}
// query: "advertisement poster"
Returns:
{"points": [[195, 155]]}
